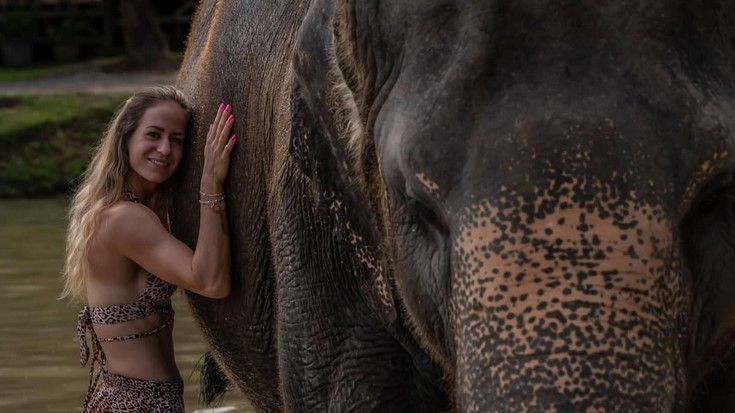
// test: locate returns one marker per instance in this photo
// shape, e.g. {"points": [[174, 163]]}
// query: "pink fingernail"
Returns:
{"points": [[234, 138], [227, 108], [230, 118], [221, 105]]}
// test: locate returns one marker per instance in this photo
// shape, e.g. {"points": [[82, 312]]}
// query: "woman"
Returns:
{"points": [[119, 238]]}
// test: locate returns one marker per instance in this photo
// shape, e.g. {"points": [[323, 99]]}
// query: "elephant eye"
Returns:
{"points": [[428, 217]]}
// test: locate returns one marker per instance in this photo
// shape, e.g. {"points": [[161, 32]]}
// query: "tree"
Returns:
{"points": [[145, 42]]}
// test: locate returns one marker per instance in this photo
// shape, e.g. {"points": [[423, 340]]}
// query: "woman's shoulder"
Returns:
{"points": [[120, 225], [125, 217], [125, 210]]}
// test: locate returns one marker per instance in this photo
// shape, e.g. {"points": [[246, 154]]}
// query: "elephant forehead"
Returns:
{"points": [[581, 284]]}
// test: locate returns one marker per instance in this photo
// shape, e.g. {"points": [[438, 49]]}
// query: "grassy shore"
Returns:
{"points": [[38, 72], [46, 141]]}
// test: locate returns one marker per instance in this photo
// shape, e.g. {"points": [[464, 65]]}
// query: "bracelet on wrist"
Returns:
{"points": [[211, 195], [211, 203]]}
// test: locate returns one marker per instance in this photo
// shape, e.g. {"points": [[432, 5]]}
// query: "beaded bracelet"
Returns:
{"points": [[221, 194], [211, 200], [211, 203]]}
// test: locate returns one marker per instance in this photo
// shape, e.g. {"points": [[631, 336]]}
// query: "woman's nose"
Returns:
{"points": [[164, 146]]}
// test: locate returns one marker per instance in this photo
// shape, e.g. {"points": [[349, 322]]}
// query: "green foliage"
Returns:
{"points": [[16, 24], [46, 142]]}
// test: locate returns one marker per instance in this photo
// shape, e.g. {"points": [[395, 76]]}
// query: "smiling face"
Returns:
{"points": [[156, 146]]}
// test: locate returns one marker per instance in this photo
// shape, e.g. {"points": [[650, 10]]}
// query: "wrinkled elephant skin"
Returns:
{"points": [[478, 206]]}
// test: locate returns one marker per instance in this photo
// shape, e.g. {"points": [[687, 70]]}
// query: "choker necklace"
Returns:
{"points": [[131, 195]]}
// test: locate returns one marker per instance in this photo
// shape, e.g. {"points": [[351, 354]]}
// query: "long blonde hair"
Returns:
{"points": [[104, 180]]}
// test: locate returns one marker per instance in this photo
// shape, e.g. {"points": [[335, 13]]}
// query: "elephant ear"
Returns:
{"points": [[709, 241], [319, 147]]}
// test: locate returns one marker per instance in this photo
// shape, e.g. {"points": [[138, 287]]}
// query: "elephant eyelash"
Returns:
{"points": [[430, 217]]}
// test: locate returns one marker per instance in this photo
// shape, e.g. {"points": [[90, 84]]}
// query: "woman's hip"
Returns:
{"points": [[117, 393]]}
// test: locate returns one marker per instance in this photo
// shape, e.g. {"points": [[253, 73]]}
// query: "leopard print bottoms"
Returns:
{"points": [[117, 394]]}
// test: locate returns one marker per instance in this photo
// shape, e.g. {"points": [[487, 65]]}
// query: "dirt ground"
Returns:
{"points": [[89, 82]]}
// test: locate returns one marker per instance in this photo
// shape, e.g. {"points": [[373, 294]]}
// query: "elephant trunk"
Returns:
{"points": [[568, 309]]}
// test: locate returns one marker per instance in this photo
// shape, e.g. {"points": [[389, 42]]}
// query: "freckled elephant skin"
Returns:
{"points": [[566, 305], [473, 206]]}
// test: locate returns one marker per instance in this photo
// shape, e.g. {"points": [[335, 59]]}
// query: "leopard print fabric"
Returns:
{"points": [[118, 394], [155, 298]]}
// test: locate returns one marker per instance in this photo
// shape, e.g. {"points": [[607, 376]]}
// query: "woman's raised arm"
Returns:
{"points": [[136, 232]]}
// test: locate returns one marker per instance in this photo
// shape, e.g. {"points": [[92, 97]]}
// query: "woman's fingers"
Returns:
{"points": [[225, 132], [212, 132], [220, 128], [219, 145], [214, 127], [230, 144], [218, 117], [209, 134], [222, 119]]}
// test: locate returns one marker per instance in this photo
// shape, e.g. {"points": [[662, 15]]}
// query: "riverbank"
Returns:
{"points": [[49, 124], [46, 140]]}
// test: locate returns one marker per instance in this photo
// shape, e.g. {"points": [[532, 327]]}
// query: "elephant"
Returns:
{"points": [[476, 206]]}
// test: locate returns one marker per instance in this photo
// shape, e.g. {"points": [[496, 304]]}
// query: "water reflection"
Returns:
{"points": [[39, 367]]}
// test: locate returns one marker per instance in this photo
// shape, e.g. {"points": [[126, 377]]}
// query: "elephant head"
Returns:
{"points": [[542, 190], [484, 205]]}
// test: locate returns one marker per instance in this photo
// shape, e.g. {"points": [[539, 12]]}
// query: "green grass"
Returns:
{"points": [[32, 73], [29, 112], [46, 140], [113, 64]]}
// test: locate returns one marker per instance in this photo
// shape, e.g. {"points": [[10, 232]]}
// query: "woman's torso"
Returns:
{"points": [[118, 281]]}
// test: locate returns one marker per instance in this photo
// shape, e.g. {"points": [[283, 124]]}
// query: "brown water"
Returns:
{"points": [[39, 367]]}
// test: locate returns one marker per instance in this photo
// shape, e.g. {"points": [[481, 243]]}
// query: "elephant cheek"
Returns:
{"points": [[575, 310]]}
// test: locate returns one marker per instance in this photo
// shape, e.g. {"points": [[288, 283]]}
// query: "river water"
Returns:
{"points": [[39, 361]]}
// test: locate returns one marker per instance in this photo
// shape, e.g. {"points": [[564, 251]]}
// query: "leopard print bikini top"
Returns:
{"points": [[155, 298]]}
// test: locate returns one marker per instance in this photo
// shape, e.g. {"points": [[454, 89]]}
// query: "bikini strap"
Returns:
{"points": [[84, 322], [169, 314]]}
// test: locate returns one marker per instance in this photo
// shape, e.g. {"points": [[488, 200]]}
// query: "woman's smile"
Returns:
{"points": [[159, 162]]}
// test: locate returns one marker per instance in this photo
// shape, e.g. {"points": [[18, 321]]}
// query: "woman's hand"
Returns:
{"points": [[217, 150]]}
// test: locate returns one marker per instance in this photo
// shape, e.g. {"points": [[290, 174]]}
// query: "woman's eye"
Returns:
{"points": [[152, 134], [179, 141]]}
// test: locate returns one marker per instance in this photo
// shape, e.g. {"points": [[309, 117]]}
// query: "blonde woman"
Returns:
{"points": [[123, 262]]}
